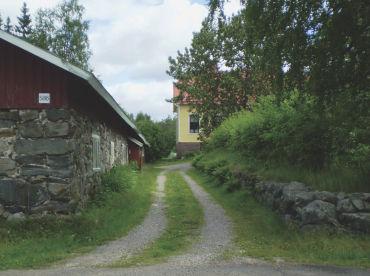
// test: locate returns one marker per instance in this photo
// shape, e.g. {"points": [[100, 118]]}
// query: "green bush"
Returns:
{"points": [[118, 179], [294, 132]]}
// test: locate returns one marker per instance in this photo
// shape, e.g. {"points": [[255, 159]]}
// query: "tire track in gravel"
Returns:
{"points": [[137, 239], [216, 234]]}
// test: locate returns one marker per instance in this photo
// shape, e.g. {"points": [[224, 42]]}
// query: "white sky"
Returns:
{"points": [[131, 41]]}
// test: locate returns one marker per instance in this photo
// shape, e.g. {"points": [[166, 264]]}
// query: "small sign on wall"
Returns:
{"points": [[44, 98]]}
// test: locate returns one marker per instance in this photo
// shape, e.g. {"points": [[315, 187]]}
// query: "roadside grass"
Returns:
{"points": [[37, 243], [261, 233], [184, 218], [334, 179]]}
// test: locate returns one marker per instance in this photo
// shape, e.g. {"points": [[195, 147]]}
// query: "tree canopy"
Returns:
{"points": [[273, 47], [160, 135], [61, 30]]}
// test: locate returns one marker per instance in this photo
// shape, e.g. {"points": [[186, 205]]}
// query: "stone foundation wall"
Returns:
{"points": [[312, 209], [182, 148], [46, 159], [296, 202]]}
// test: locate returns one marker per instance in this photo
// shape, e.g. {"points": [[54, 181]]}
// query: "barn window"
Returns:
{"points": [[193, 123], [112, 154], [96, 152], [124, 153]]}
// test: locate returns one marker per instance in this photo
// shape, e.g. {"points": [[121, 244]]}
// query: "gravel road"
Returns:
{"points": [[151, 228]]}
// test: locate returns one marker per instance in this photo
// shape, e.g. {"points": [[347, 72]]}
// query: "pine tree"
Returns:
{"points": [[24, 22], [8, 26], [1, 22]]}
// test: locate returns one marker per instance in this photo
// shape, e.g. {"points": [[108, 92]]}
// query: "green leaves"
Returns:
{"points": [[63, 31], [161, 136]]}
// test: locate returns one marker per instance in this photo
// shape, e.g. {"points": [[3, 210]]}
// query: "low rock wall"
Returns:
{"points": [[311, 209]]}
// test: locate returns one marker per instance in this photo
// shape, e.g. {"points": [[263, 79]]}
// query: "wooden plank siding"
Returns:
{"points": [[23, 76]]}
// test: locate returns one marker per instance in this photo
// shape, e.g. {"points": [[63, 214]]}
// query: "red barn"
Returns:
{"points": [[59, 130]]}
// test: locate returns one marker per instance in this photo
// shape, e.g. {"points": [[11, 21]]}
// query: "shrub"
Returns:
{"points": [[119, 179]]}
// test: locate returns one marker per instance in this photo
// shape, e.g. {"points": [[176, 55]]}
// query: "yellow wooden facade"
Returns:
{"points": [[183, 125]]}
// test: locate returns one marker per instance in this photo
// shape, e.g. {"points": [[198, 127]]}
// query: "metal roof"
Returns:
{"points": [[82, 74]]}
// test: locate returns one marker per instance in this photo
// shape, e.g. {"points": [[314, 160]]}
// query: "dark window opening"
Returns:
{"points": [[194, 123]]}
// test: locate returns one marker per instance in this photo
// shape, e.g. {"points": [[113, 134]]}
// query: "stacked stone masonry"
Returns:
{"points": [[46, 159], [316, 209]]}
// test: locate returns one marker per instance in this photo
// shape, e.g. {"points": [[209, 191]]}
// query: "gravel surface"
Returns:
{"points": [[216, 233], [136, 240]]}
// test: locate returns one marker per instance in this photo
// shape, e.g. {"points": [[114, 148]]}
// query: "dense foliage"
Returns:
{"points": [[297, 71], [160, 135], [320, 48], [61, 30]]}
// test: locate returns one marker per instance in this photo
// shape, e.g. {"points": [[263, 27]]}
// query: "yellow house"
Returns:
{"points": [[187, 127]]}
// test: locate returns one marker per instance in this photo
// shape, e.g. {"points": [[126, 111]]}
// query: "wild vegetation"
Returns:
{"points": [[297, 73], [281, 143], [261, 233], [160, 135], [41, 241]]}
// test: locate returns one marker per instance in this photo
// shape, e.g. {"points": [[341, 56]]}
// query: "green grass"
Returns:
{"points": [[261, 233], [185, 217], [37, 243]]}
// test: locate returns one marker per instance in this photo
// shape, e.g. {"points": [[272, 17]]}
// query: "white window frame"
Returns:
{"points": [[112, 153], [125, 153], [96, 155], [196, 133]]}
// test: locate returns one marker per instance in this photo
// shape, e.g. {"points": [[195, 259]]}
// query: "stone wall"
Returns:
{"points": [[296, 202], [315, 209], [46, 159]]}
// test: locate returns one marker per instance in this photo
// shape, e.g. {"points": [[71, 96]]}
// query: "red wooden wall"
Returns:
{"points": [[136, 154], [23, 76]]}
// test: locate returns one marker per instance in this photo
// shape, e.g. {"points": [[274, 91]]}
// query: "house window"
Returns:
{"points": [[96, 152], [193, 123], [112, 154]]}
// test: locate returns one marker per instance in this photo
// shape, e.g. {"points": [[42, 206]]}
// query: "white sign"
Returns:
{"points": [[44, 98]]}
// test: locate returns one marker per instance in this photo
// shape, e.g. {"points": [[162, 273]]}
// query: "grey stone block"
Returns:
{"points": [[62, 172], [345, 206], [13, 191], [49, 146], [17, 217], [59, 161], [30, 159], [9, 115], [57, 114], [28, 115], [318, 212], [35, 170], [356, 221], [56, 189], [6, 165], [7, 124], [326, 196], [58, 129], [31, 130]]}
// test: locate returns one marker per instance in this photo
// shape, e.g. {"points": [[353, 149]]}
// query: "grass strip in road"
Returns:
{"points": [[37, 243], [184, 216], [261, 233]]}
